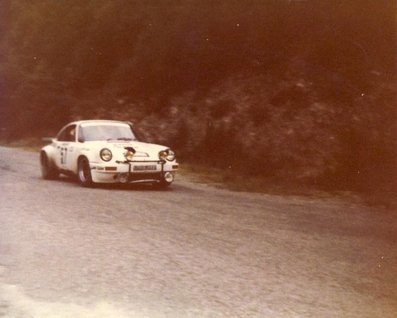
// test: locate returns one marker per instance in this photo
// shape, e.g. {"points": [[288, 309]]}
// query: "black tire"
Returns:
{"points": [[84, 172], [48, 171]]}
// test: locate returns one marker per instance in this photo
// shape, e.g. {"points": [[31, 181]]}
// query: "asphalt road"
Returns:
{"points": [[189, 251]]}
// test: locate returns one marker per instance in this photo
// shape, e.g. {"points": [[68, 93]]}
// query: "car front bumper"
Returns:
{"points": [[155, 171]]}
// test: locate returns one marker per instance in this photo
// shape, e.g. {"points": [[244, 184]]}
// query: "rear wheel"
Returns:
{"points": [[84, 172], [48, 172]]}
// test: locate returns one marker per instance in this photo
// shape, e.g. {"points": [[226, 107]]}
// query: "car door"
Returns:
{"points": [[65, 147]]}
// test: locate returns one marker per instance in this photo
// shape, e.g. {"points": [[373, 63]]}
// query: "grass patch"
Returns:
{"points": [[228, 179], [235, 181], [386, 199]]}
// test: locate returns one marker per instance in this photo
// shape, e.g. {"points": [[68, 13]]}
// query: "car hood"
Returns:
{"points": [[140, 147], [143, 150]]}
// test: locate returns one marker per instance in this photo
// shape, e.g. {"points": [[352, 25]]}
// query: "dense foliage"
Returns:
{"points": [[304, 90]]}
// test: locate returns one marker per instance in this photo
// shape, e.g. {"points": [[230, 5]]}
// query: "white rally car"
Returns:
{"points": [[106, 151]]}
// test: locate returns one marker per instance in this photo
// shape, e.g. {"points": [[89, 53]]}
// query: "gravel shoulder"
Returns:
{"points": [[188, 251]]}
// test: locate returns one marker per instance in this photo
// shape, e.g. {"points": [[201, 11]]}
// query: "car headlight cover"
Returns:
{"points": [[106, 154], [167, 154]]}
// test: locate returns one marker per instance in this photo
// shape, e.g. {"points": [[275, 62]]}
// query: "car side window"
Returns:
{"points": [[68, 134], [81, 137]]}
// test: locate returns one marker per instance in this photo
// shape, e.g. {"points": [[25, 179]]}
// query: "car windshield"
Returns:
{"points": [[107, 132]]}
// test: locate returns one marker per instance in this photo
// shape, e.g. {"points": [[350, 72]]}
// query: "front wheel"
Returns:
{"points": [[166, 180], [84, 172]]}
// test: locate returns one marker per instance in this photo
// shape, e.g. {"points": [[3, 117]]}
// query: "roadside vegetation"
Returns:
{"points": [[299, 94]]}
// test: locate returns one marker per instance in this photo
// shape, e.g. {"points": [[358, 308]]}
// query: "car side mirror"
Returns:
{"points": [[81, 139]]}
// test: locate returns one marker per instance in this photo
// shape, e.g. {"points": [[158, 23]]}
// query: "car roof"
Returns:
{"points": [[99, 121]]}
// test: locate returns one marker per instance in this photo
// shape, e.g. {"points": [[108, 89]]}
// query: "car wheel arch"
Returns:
{"points": [[44, 154], [48, 168], [86, 179], [80, 157]]}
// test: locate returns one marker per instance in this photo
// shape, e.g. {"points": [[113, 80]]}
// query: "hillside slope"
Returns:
{"points": [[300, 91]]}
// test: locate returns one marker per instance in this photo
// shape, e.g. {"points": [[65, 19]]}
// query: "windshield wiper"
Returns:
{"points": [[125, 138], [121, 138]]}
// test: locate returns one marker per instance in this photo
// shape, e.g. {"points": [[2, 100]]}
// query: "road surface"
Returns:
{"points": [[189, 251]]}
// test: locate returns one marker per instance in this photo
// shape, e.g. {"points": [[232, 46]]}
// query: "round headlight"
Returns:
{"points": [[168, 177], [106, 154], [170, 155], [167, 154]]}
